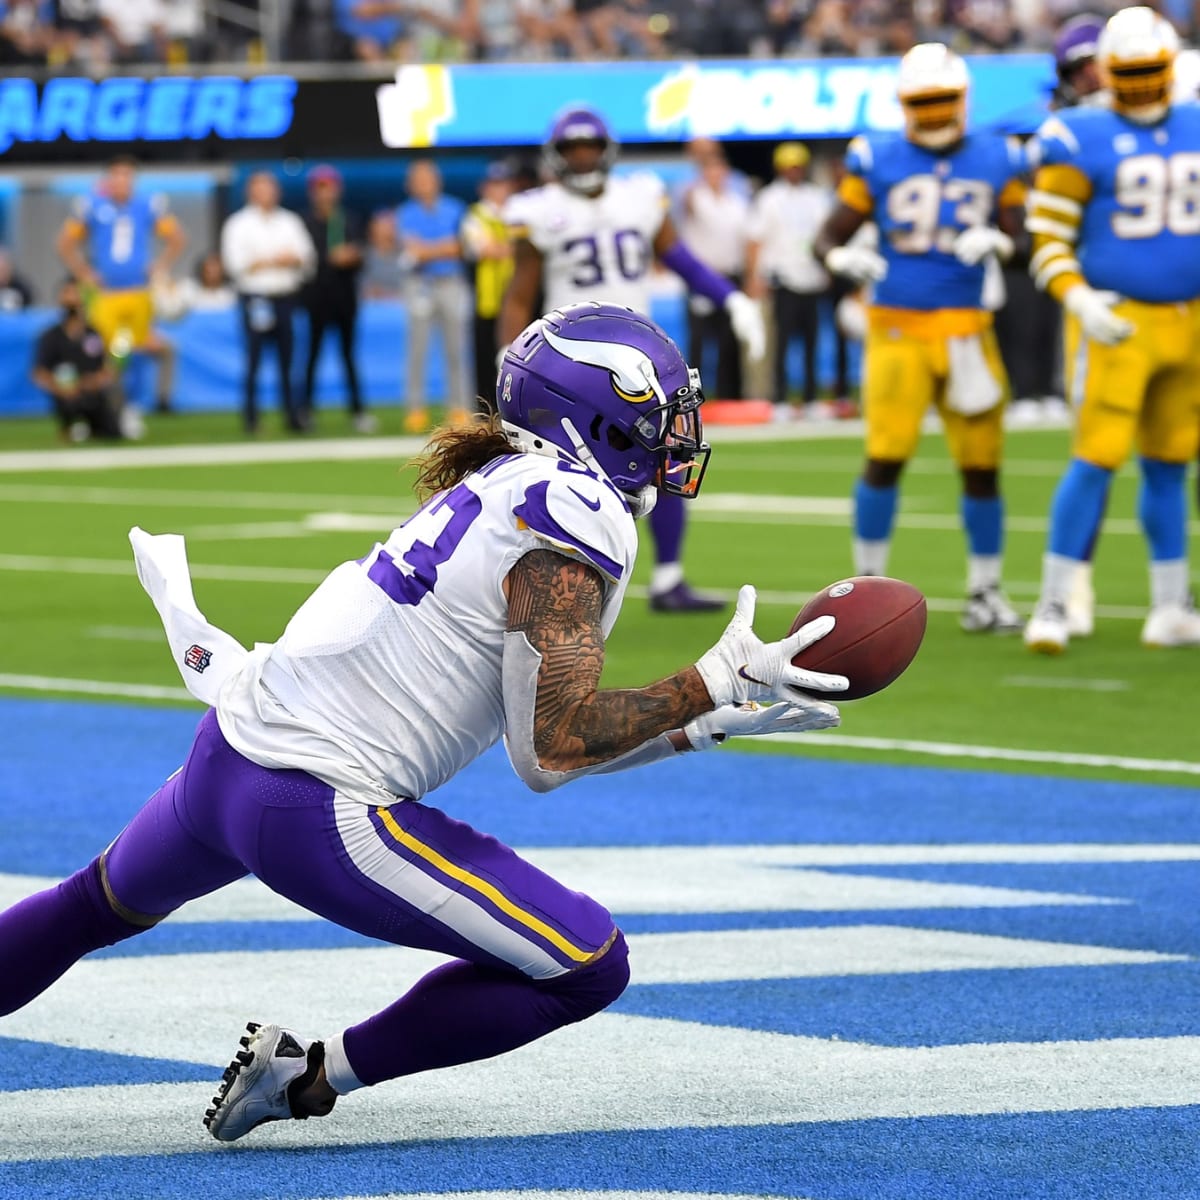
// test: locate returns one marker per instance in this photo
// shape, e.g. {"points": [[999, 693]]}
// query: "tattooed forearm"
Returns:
{"points": [[556, 603]]}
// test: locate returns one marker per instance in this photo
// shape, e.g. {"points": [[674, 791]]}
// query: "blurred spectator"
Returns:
{"points": [[840, 300], [435, 290], [486, 243], [268, 254], [109, 245], [332, 293], [79, 32], [208, 289], [831, 29], [15, 292], [982, 25], [714, 210], [382, 276], [525, 29], [70, 365], [137, 29], [183, 29], [622, 28], [24, 35], [785, 219], [377, 29]]}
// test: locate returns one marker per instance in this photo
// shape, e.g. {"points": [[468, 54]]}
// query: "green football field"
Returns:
{"points": [[775, 512]]}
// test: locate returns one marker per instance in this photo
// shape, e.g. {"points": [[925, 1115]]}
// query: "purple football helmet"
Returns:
{"points": [[580, 124], [605, 386], [1076, 42]]}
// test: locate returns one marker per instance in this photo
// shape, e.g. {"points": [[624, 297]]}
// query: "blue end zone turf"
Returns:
{"points": [[72, 774]]}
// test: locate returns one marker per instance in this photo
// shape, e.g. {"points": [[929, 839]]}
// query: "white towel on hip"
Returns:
{"points": [[972, 388], [205, 655]]}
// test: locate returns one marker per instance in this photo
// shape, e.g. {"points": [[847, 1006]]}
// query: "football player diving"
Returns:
{"points": [[944, 200], [483, 617], [590, 235], [1115, 219]]}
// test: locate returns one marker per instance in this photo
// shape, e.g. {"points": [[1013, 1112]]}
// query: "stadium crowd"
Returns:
{"points": [[94, 33]]}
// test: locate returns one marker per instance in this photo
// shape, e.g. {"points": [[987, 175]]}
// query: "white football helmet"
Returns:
{"points": [[1136, 53], [932, 86]]}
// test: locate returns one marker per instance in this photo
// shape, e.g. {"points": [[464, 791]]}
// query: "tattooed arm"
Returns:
{"points": [[559, 724]]}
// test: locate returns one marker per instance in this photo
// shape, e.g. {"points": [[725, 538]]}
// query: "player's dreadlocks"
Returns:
{"points": [[455, 451]]}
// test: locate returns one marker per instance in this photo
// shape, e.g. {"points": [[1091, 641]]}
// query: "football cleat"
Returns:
{"points": [[988, 611], [681, 598], [1048, 631], [255, 1086], [1171, 625], [1081, 605]]}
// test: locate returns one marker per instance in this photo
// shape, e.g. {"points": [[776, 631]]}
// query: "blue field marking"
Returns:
{"points": [[73, 773], [25, 1064], [1106, 1155]]}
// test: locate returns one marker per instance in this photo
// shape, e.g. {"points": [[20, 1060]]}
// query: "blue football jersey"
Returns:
{"points": [[922, 200], [121, 238], [1140, 231]]}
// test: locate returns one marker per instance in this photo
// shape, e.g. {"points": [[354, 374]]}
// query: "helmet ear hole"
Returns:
{"points": [[618, 440]]}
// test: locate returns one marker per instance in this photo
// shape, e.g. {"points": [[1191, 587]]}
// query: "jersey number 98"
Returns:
{"points": [[1157, 193]]}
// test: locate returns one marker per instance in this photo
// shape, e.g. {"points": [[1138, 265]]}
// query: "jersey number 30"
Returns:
{"points": [[631, 252], [1157, 193]]}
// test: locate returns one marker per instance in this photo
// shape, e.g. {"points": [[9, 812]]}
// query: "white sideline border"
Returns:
{"points": [[1116, 762]]}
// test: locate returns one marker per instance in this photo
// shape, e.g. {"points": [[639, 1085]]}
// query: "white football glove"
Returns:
{"points": [[859, 263], [973, 245], [753, 720], [747, 320], [1094, 310], [742, 667]]}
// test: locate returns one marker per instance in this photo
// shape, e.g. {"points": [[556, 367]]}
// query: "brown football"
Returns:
{"points": [[880, 624]]}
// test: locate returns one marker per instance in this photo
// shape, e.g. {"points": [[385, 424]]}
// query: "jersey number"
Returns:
{"points": [[455, 511], [121, 247], [632, 255], [1157, 193], [917, 204]]}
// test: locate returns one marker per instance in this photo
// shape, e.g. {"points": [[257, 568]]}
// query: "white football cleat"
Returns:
{"points": [[254, 1087], [1171, 625], [1048, 631], [1081, 604], [988, 611]]}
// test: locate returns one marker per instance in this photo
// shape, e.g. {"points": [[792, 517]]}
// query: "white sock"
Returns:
{"points": [[870, 558], [1169, 583], [1058, 573], [339, 1074], [983, 572], [664, 577]]}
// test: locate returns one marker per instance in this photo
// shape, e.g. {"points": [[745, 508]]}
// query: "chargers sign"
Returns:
{"points": [[130, 109], [486, 104]]}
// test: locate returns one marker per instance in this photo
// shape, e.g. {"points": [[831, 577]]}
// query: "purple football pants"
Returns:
{"points": [[526, 945]]}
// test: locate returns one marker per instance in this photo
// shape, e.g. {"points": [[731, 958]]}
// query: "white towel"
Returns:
{"points": [[972, 387], [205, 655]]}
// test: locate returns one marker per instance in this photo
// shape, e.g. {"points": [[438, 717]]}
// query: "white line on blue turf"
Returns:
{"points": [[92, 687]]}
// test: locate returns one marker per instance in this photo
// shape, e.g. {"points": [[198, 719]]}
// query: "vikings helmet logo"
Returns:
{"points": [[631, 370]]}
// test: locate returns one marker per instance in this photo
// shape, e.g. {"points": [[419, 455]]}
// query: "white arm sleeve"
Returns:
{"points": [[520, 671]]}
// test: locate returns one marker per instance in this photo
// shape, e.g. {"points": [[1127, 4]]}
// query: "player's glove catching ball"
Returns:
{"points": [[742, 667]]}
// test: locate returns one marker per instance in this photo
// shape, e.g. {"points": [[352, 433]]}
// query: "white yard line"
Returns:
{"points": [[1066, 683], [228, 573], [1065, 758], [95, 687]]}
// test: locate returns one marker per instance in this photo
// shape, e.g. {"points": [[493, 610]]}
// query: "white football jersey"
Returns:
{"points": [[594, 248], [387, 681]]}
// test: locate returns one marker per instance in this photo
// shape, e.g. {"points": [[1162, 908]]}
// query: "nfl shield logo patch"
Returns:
{"points": [[198, 658]]}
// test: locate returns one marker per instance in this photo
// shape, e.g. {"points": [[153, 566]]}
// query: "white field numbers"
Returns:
{"points": [[1157, 194], [918, 204]]}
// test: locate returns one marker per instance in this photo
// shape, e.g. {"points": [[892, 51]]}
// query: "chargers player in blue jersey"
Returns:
{"points": [[1115, 219], [118, 244], [944, 201]]}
